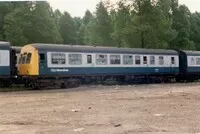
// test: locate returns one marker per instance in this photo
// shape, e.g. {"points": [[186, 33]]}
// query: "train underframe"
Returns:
{"points": [[36, 82], [10, 82], [188, 77]]}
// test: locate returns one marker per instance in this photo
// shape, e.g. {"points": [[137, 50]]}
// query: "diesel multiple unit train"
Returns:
{"points": [[53, 65]]}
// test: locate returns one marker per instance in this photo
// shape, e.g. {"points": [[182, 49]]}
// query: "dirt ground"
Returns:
{"points": [[141, 109]]}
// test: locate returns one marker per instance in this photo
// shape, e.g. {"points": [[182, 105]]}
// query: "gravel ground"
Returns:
{"points": [[141, 109]]}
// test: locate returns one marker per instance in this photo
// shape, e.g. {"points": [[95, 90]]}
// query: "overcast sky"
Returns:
{"points": [[78, 7]]}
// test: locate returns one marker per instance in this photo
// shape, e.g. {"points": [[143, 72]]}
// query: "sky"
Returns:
{"points": [[78, 7]]}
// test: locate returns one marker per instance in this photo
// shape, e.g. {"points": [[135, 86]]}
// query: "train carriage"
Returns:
{"points": [[8, 69], [5, 60], [43, 61], [189, 65]]}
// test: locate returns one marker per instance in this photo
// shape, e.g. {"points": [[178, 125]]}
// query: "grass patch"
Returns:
{"points": [[13, 89]]}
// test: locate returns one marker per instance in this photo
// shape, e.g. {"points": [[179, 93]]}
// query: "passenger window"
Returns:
{"points": [[101, 59], [127, 59], [115, 59], [137, 60], [192, 61], [172, 60], [75, 59], [152, 60], [161, 60], [28, 60], [197, 61], [144, 59], [89, 59], [58, 58]]}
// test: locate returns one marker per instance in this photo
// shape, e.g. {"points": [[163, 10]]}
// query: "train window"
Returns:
{"points": [[137, 60], [58, 58], [161, 60], [152, 60], [101, 59], [28, 60], [127, 59], [197, 61], [89, 59], [192, 61], [24, 58], [144, 59], [42, 57], [172, 60], [75, 59], [115, 59], [20, 58]]}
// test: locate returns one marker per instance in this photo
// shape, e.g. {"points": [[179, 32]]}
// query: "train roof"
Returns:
{"points": [[17, 48], [194, 53], [98, 49], [4, 45]]}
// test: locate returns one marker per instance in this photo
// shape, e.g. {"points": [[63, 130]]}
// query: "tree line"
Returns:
{"points": [[137, 24]]}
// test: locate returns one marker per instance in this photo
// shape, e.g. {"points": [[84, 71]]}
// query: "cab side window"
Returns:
{"points": [[42, 58]]}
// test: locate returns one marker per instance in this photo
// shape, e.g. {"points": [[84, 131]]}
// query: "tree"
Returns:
{"points": [[195, 29], [100, 28], [5, 8], [13, 26], [181, 23], [67, 29], [121, 21], [34, 22], [44, 27], [57, 16], [150, 24], [87, 17], [82, 27]]}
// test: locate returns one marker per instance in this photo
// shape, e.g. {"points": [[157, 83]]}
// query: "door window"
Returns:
{"points": [[172, 60], [89, 59]]}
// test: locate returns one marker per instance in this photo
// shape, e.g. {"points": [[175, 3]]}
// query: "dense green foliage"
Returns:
{"points": [[142, 23]]}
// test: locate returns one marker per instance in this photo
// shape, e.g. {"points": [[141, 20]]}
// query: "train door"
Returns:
{"points": [[42, 63], [13, 62], [183, 62], [89, 63]]}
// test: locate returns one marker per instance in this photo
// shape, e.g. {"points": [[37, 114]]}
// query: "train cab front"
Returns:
{"points": [[28, 62]]}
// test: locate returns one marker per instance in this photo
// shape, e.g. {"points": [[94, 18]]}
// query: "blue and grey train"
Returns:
{"points": [[8, 63], [61, 65]]}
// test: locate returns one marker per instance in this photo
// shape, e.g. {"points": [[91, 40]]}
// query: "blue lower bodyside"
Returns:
{"points": [[4, 71], [193, 69], [109, 71]]}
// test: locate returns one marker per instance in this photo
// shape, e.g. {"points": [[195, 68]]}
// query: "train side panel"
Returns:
{"points": [[189, 65], [146, 65], [54, 64], [4, 60]]}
